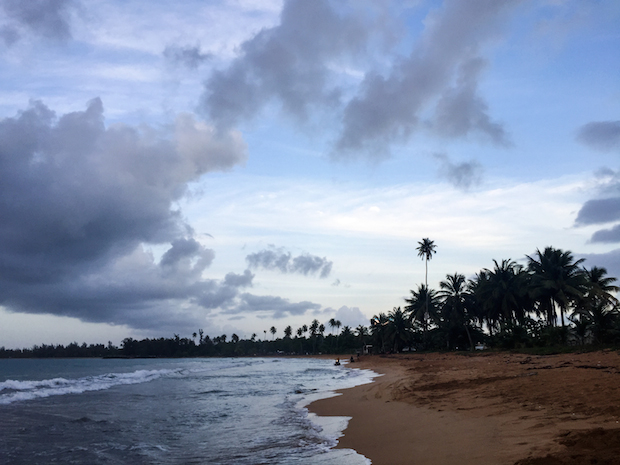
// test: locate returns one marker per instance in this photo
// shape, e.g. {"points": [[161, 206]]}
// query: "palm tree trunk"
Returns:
{"points": [[471, 342], [426, 312]]}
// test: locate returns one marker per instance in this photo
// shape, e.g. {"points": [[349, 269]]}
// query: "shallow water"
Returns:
{"points": [[171, 411]]}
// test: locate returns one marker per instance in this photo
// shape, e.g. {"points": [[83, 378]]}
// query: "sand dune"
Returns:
{"points": [[484, 409]]}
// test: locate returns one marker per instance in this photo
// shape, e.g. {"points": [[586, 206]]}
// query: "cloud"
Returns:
{"points": [[295, 63], [599, 211], [351, 316], [600, 135], [607, 235], [461, 111], [463, 175], [278, 259], [276, 307], [605, 210], [390, 107], [45, 18], [289, 63], [609, 260], [189, 57], [82, 202]]}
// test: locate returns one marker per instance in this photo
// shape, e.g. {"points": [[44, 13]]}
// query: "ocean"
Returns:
{"points": [[172, 411]]}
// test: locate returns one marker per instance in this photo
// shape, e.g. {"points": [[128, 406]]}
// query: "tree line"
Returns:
{"points": [[551, 301], [306, 340]]}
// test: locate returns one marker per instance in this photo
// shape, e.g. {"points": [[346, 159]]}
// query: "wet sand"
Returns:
{"points": [[484, 409]]}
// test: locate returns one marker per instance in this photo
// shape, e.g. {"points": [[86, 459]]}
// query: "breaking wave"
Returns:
{"points": [[15, 391]]}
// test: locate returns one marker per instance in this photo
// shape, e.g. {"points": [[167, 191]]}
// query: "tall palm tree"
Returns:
{"points": [[273, 331], [300, 331], [426, 249], [314, 329], [557, 281], [287, 332]]}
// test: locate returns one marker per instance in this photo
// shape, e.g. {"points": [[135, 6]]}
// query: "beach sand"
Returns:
{"points": [[484, 408]]}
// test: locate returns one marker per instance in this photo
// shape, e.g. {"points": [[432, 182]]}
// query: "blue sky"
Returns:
{"points": [[233, 165]]}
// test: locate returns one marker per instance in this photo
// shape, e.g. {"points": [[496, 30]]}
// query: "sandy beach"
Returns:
{"points": [[484, 408]]}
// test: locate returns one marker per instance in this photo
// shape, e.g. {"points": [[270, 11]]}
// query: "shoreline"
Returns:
{"points": [[483, 408]]}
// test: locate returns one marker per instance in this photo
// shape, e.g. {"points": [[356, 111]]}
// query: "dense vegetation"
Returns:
{"points": [[553, 301]]}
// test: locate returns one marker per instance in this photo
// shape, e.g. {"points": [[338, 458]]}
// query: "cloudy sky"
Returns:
{"points": [[236, 164]]}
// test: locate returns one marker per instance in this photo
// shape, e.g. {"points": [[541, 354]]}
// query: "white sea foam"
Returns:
{"points": [[14, 391]]}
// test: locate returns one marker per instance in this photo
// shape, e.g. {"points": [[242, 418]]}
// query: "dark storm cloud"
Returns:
{"points": [[189, 57], [463, 175], [603, 210], [289, 63], [600, 135], [50, 19], [389, 108], [279, 259], [79, 201], [276, 307]]}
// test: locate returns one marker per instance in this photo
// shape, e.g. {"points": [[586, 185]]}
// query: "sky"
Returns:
{"points": [[232, 165]]}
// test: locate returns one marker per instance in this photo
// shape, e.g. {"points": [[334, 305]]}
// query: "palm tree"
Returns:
{"points": [[453, 295], [557, 280], [362, 333], [314, 328], [426, 249], [348, 339], [423, 306], [288, 331], [332, 324], [378, 329], [301, 344], [598, 287], [504, 293], [273, 331], [399, 329], [597, 309]]}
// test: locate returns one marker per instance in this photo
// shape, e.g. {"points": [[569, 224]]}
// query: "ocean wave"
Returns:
{"points": [[15, 391]]}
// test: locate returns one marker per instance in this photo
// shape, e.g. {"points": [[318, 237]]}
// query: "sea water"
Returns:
{"points": [[171, 411]]}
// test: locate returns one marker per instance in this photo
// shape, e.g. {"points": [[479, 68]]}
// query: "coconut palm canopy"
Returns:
{"points": [[232, 165]]}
